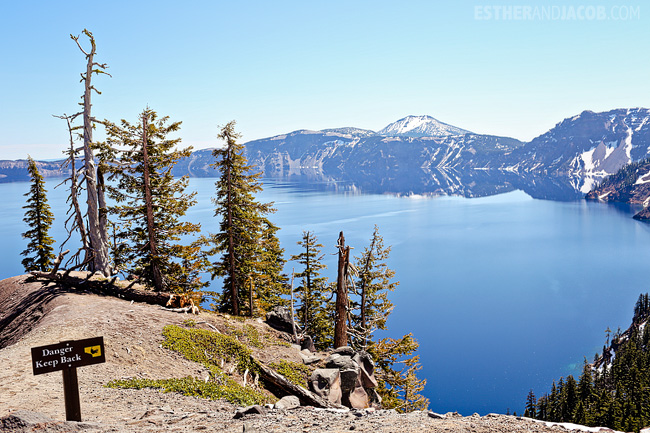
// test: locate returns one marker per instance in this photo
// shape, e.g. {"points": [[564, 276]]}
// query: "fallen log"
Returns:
{"points": [[280, 386], [101, 286]]}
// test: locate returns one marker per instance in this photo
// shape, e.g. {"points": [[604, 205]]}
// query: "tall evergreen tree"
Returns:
{"points": [[315, 306], [397, 363], [250, 253], [531, 405], [39, 218], [396, 373], [270, 283], [371, 308], [151, 203]]}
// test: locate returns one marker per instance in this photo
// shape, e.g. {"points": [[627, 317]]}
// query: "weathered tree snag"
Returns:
{"points": [[53, 273], [97, 230], [293, 318], [280, 386], [340, 324]]}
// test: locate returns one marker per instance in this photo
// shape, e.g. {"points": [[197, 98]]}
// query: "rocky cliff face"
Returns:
{"points": [[631, 184], [588, 147]]}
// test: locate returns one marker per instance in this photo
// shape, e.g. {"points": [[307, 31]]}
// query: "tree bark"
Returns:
{"points": [[153, 247], [340, 325], [234, 296]]}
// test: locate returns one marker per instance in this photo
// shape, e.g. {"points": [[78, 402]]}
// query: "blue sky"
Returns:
{"points": [[278, 66]]}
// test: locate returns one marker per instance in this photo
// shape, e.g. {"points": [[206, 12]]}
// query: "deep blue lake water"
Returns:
{"points": [[504, 293]]}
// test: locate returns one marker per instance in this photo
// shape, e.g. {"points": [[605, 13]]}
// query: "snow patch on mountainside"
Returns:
{"points": [[604, 159], [421, 126]]}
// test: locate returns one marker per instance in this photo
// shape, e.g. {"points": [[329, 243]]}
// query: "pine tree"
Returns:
{"points": [[151, 203], [39, 218], [372, 308], [531, 405], [396, 373], [270, 283], [246, 240], [315, 307], [397, 365]]}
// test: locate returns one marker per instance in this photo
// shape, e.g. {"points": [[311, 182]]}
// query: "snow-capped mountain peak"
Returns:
{"points": [[421, 126]]}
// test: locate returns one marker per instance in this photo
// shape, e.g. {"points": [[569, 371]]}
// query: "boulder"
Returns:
{"points": [[342, 362], [364, 360], [344, 350], [367, 380], [358, 399], [287, 402], [326, 383], [308, 357], [250, 410], [280, 318], [349, 380]]}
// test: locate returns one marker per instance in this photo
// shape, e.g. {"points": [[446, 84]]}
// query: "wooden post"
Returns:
{"points": [[340, 325], [71, 393]]}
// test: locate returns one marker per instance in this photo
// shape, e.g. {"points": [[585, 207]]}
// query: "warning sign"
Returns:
{"points": [[68, 354]]}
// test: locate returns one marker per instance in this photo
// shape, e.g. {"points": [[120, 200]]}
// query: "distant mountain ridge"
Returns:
{"points": [[422, 155]]}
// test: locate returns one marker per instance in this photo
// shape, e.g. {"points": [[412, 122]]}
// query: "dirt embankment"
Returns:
{"points": [[35, 314]]}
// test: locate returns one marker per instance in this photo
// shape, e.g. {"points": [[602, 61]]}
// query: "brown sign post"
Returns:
{"points": [[67, 356]]}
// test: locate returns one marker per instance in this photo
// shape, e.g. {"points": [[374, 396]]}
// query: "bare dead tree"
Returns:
{"points": [[341, 311], [95, 187], [75, 219]]}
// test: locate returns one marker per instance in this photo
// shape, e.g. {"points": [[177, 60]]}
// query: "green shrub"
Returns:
{"points": [[298, 374]]}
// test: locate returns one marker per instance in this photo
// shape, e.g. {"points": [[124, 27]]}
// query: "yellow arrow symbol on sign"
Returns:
{"points": [[93, 351]]}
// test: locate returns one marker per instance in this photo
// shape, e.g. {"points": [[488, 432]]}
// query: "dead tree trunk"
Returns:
{"points": [[341, 312], [97, 231]]}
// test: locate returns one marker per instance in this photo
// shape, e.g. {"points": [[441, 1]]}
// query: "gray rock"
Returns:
{"points": [[358, 399], [288, 402], [436, 415], [326, 383], [365, 361], [344, 350], [342, 362], [27, 421], [349, 380], [250, 410], [367, 380], [280, 319], [308, 358], [322, 379]]}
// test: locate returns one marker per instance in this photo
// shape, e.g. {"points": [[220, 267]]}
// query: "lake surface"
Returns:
{"points": [[504, 293]]}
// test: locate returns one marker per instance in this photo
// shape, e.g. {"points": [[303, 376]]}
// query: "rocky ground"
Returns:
{"points": [[35, 314]]}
